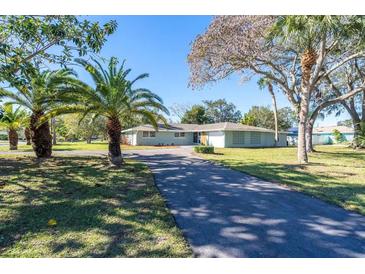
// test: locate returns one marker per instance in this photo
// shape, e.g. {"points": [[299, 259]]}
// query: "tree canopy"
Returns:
{"points": [[28, 41], [212, 111], [263, 116]]}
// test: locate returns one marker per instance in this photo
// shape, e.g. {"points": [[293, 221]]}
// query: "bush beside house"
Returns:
{"points": [[204, 149]]}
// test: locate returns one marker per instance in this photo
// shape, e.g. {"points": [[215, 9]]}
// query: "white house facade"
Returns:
{"points": [[217, 135]]}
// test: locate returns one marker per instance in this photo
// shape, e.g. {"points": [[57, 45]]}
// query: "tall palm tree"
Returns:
{"points": [[39, 95], [264, 82], [310, 36], [13, 120], [114, 97]]}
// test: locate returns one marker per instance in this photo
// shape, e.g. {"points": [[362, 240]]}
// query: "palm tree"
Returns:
{"points": [[308, 35], [13, 121], [38, 95], [115, 98], [264, 82]]}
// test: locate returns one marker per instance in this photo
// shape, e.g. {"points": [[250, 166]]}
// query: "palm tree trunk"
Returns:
{"points": [[27, 136], [308, 60], [271, 91], [13, 139], [41, 137], [302, 151], [54, 135], [114, 132]]}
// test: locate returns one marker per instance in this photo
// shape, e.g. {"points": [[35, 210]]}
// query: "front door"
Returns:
{"points": [[203, 138], [195, 137]]}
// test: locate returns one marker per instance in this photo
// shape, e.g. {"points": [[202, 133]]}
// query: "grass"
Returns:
{"points": [[80, 207], [68, 146], [335, 174]]}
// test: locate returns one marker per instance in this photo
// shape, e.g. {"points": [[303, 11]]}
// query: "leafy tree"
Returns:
{"points": [[38, 95], [114, 98], [315, 39], [339, 138], [75, 126], [221, 111], [196, 115], [28, 41], [261, 116], [346, 123], [341, 91], [13, 120]]}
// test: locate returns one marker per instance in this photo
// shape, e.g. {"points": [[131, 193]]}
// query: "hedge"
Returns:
{"points": [[204, 149]]}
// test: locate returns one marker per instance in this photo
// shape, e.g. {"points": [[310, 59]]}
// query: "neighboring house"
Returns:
{"points": [[292, 136], [217, 135], [324, 135]]}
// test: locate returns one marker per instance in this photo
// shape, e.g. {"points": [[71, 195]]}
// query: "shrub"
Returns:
{"points": [[339, 137], [3, 137], [204, 149]]}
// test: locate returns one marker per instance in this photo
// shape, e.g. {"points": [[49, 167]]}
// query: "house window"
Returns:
{"points": [[146, 134], [238, 138], [179, 134], [255, 138]]}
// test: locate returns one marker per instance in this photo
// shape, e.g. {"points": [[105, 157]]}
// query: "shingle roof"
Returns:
{"points": [[196, 128], [330, 129]]}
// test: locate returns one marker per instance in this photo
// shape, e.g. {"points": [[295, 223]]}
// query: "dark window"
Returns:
{"points": [[179, 134]]}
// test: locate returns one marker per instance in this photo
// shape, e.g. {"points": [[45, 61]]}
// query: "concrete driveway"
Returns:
{"points": [[225, 213]]}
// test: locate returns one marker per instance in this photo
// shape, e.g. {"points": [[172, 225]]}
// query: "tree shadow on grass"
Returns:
{"points": [[100, 212]]}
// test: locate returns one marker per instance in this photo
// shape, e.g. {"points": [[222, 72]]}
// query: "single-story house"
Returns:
{"points": [[324, 135], [217, 135]]}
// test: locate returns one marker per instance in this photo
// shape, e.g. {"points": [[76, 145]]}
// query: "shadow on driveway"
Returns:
{"points": [[226, 213]]}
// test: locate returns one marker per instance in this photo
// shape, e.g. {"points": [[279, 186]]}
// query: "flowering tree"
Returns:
{"points": [[296, 53]]}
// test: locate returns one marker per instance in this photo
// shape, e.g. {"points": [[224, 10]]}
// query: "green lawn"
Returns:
{"points": [[80, 207], [335, 174], [67, 146]]}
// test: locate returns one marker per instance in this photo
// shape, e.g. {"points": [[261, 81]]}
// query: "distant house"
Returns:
{"points": [[217, 135], [324, 135], [292, 136]]}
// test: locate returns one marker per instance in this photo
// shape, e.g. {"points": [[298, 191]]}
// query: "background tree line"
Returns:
{"points": [[222, 111]]}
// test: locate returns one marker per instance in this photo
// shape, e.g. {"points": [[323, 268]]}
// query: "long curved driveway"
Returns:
{"points": [[226, 213]]}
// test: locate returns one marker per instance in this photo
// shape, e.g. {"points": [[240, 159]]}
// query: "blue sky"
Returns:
{"points": [[159, 46]]}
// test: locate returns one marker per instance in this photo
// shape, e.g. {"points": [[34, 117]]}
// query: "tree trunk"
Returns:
{"points": [[13, 139], [88, 140], [309, 134], [308, 60], [41, 137], [114, 132], [303, 114], [54, 135], [27, 136], [271, 91]]}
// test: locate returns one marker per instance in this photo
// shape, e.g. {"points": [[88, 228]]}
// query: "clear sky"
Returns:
{"points": [[159, 45]]}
